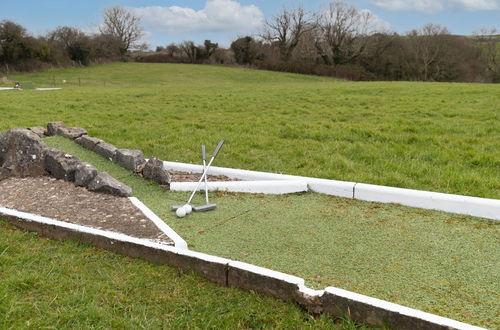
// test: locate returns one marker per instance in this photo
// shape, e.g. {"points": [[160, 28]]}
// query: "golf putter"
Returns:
{"points": [[219, 146], [207, 206]]}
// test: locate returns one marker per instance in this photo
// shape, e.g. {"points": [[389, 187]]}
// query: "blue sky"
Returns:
{"points": [[222, 20]]}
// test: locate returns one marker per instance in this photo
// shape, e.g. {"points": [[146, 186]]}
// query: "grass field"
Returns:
{"points": [[440, 137], [431, 136], [429, 260], [46, 284]]}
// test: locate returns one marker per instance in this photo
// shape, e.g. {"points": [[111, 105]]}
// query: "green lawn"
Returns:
{"points": [[431, 136], [434, 261], [46, 284]]}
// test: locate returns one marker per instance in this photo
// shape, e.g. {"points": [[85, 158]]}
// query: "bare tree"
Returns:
{"points": [[341, 33], [190, 50], [121, 23], [427, 45], [287, 29]]}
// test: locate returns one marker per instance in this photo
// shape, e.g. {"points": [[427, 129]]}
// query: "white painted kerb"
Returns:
{"points": [[178, 241], [254, 187], [78, 228], [322, 186], [474, 206], [479, 207], [446, 322], [244, 266]]}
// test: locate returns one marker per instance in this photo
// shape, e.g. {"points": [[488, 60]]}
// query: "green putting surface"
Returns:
{"points": [[438, 262]]}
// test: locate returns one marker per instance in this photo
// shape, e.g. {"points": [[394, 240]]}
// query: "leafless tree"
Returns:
{"points": [[123, 24], [427, 45], [287, 29], [190, 50], [341, 33]]}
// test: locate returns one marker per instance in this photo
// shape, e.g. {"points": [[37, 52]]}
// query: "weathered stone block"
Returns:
{"points": [[153, 170], [106, 150], [71, 132], [54, 127], [60, 165], [84, 174], [21, 151], [105, 183], [88, 142], [130, 159], [39, 130]]}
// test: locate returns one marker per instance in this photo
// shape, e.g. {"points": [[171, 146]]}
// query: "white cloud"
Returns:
{"points": [[216, 16], [433, 6], [376, 24]]}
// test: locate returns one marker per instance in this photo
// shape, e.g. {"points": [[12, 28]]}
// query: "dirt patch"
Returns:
{"points": [[64, 201]]}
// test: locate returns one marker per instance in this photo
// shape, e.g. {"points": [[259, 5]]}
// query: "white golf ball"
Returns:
{"points": [[188, 208], [180, 212]]}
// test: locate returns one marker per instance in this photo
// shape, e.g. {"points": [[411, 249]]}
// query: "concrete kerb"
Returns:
{"points": [[255, 187], [336, 302], [383, 313], [212, 268], [323, 186], [474, 206], [479, 207], [178, 241]]}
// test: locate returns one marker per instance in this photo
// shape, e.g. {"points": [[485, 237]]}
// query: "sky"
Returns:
{"points": [[222, 21]]}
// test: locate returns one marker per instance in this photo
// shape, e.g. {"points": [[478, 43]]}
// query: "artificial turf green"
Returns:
{"points": [[429, 136], [438, 262]]}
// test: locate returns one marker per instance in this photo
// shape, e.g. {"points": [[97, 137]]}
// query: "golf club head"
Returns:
{"points": [[204, 208]]}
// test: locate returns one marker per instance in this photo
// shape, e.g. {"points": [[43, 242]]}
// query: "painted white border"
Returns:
{"points": [[178, 241], [267, 273], [78, 228], [323, 186], [474, 206], [254, 187], [48, 89], [385, 305], [479, 207], [443, 321]]}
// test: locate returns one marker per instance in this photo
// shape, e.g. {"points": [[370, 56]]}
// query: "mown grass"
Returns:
{"points": [[434, 261], [431, 136], [46, 284]]}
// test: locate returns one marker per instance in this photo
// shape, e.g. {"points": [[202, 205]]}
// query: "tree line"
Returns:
{"points": [[339, 40], [342, 41], [69, 46]]}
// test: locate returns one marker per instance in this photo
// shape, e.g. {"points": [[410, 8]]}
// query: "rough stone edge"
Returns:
{"points": [[274, 187], [459, 204], [225, 272], [178, 241]]}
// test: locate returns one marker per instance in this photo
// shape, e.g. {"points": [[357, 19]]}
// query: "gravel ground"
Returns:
{"points": [[64, 201]]}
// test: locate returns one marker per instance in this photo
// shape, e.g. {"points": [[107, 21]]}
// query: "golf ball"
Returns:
{"points": [[188, 208], [181, 212]]}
